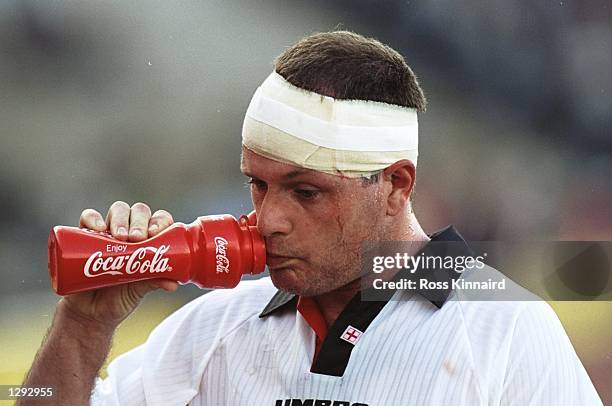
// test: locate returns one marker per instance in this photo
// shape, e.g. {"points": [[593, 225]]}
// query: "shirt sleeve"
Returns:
{"points": [[543, 368], [124, 382], [167, 368]]}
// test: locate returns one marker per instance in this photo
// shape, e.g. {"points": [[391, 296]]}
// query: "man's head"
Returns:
{"points": [[348, 66], [313, 222]]}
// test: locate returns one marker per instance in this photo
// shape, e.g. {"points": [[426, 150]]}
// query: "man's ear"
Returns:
{"points": [[402, 175]]}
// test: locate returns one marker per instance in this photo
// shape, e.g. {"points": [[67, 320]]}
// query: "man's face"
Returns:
{"points": [[313, 223]]}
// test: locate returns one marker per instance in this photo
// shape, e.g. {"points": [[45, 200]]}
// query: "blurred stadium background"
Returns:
{"points": [[143, 101]]}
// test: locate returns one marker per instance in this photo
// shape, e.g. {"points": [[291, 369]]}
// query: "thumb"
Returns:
{"points": [[167, 284]]}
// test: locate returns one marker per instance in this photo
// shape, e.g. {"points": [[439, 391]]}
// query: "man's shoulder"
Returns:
{"points": [[510, 340], [500, 334], [500, 305], [491, 316], [499, 331]]}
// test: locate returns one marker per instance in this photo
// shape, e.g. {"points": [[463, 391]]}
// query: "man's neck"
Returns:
{"points": [[333, 303]]}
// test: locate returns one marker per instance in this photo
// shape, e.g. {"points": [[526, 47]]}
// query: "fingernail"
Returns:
{"points": [[121, 231], [136, 233], [153, 228], [100, 223]]}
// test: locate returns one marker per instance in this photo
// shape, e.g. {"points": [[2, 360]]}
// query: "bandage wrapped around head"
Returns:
{"points": [[353, 138]]}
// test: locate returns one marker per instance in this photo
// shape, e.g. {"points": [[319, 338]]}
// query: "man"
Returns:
{"points": [[330, 149]]}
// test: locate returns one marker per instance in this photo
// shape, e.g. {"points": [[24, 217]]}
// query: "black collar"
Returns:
{"points": [[437, 297]]}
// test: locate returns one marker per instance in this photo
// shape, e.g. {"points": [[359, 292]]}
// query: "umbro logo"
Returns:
{"points": [[316, 402], [351, 335]]}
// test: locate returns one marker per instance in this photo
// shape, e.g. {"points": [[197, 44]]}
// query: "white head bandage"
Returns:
{"points": [[349, 137]]}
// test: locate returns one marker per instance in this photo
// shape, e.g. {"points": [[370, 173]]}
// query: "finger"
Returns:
{"points": [[91, 219], [140, 214], [118, 218], [160, 220], [141, 288]]}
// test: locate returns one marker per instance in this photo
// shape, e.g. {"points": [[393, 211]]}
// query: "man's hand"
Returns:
{"points": [[110, 306], [80, 337]]}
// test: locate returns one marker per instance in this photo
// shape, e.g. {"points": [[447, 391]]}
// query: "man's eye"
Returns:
{"points": [[257, 184], [307, 194]]}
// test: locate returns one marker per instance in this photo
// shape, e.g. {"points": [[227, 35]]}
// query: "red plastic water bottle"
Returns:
{"points": [[211, 252]]}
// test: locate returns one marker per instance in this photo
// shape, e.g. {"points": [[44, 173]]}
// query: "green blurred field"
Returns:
{"points": [[25, 327]]}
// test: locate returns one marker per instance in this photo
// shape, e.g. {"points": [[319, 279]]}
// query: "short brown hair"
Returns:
{"points": [[346, 65]]}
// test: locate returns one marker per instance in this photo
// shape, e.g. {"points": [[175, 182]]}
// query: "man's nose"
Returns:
{"points": [[273, 217]]}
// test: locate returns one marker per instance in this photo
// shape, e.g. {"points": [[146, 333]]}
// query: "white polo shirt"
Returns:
{"points": [[222, 349]]}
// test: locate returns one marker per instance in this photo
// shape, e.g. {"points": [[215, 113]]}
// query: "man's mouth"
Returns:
{"points": [[278, 261]]}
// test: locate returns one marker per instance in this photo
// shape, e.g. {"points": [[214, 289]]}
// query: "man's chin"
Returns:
{"points": [[286, 279]]}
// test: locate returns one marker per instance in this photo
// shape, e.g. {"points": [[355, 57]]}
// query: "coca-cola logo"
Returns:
{"points": [[221, 255], [136, 262]]}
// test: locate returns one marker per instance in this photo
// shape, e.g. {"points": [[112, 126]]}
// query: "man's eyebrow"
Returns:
{"points": [[295, 173]]}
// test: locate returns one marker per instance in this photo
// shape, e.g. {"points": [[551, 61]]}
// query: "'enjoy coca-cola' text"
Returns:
{"points": [[136, 262]]}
